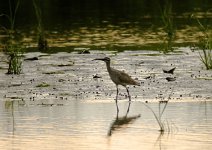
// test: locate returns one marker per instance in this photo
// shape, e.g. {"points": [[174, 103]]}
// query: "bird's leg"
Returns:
{"points": [[128, 109], [117, 98], [128, 94]]}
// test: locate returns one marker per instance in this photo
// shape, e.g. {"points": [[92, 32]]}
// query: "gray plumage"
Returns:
{"points": [[118, 77]]}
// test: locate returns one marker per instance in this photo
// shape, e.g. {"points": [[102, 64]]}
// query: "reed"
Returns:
{"points": [[15, 53], [205, 41], [158, 117], [206, 58], [168, 25], [12, 15], [42, 42], [206, 46], [12, 48]]}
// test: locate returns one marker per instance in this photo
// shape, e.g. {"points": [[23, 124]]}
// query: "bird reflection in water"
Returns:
{"points": [[122, 122]]}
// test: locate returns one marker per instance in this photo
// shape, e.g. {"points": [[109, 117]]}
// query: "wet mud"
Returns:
{"points": [[52, 79]]}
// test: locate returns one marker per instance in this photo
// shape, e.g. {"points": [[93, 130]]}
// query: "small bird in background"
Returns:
{"points": [[119, 78], [171, 71]]}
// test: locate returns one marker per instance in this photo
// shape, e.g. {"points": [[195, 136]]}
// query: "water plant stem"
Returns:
{"points": [[205, 42], [42, 42], [168, 25], [12, 47], [160, 113]]}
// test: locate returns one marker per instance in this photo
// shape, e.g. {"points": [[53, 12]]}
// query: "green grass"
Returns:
{"points": [[44, 84], [15, 52], [12, 47], [206, 46], [11, 16], [205, 41], [206, 58], [42, 42], [168, 26]]}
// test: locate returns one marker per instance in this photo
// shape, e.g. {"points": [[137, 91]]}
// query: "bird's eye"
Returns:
{"points": [[107, 59]]}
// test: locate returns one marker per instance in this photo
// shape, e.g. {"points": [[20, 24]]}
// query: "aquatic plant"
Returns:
{"points": [[11, 17], [206, 58], [168, 26], [158, 117], [12, 47], [205, 42], [44, 84], [15, 53], [42, 42], [206, 46]]}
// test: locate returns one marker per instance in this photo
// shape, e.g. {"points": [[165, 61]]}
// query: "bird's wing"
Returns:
{"points": [[125, 78]]}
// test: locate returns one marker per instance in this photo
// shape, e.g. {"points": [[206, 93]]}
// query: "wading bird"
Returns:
{"points": [[119, 78]]}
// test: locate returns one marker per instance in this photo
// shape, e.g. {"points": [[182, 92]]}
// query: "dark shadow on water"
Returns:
{"points": [[159, 141], [121, 122], [9, 106]]}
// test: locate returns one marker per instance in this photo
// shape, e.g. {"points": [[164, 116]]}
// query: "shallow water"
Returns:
{"points": [[85, 125], [77, 111]]}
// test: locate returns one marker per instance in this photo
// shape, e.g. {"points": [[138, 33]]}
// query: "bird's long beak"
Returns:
{"points": [[99, 59]]}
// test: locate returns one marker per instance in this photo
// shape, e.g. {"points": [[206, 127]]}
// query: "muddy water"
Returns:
{"points": [[57, 103], [85, 125]]}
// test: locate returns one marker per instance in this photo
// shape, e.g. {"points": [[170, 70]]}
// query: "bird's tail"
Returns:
{"points": [[137, 83]]}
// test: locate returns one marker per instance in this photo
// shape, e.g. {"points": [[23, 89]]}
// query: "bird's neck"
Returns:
{"points": [[108, 66]]}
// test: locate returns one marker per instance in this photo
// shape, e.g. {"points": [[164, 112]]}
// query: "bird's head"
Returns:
{"points": [[106, 59]]}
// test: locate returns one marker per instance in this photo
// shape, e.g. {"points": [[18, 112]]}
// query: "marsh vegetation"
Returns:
{"points": [[167, 16], [41, 38], [12, 47], [205, 41], [55, 92]]}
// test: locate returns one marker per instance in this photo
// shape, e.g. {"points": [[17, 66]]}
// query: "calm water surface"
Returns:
{"points": [[87, 124]]}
